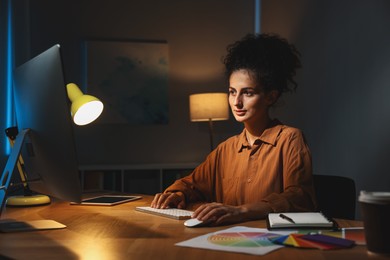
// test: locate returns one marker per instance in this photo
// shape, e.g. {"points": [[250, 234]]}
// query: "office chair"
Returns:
{"points": [[336, 195]]}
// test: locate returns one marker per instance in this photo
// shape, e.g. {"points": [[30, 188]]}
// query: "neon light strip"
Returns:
{"points": [[257, 16], [10, 60]]}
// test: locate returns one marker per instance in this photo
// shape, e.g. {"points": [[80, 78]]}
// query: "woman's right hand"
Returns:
{"points": [[169, 200]]}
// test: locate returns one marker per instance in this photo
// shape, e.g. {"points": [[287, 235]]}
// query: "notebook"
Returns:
{"points": [[297, 220]]}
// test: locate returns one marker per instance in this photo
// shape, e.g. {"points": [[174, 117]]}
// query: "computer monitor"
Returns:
{"points": [[45, 140]]}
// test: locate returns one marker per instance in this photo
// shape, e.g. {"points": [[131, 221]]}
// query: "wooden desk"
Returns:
{"points": [[120, 232]]}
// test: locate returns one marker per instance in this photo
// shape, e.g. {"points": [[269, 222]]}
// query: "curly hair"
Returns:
{"points": [[270, 59]]}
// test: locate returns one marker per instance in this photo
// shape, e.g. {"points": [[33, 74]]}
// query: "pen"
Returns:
{"points": [[286, 218], [351, 228]]}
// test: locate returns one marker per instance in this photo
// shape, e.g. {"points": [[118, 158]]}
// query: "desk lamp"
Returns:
{"points": [[84, 110], [209, 107]]}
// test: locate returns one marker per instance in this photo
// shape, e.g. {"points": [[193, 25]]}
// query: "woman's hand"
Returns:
{"points": [[169, 200], [218, 214]]}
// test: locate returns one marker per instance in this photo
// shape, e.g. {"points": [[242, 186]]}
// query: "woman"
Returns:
{"points": [[267, 168]]}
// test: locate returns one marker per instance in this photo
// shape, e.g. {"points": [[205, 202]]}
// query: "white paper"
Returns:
{"points": [[237, 239]]}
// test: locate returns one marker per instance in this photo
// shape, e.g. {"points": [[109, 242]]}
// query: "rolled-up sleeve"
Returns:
{"points": [[298, 191]]}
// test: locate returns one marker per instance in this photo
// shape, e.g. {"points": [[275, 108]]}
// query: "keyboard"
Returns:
{"points": [[170, 213]]}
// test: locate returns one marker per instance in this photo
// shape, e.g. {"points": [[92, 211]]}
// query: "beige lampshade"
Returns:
{"points": [[206, 106]]}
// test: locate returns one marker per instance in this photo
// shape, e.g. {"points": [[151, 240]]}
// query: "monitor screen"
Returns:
{"points": [[42, 105]]}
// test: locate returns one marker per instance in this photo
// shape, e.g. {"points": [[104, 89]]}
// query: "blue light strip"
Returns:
{"points": [[257, 16], [10, 121]]}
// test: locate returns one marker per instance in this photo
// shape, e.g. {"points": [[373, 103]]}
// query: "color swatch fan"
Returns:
{"points": [[318, 241]]}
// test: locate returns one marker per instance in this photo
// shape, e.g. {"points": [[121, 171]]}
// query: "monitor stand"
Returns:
{"points": [[10, 225], [7, 226]]}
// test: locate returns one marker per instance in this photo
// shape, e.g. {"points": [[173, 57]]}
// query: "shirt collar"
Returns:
{"points": [[268, 136]]}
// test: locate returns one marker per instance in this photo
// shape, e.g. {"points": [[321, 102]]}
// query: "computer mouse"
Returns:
{"points": [[192, 222]]}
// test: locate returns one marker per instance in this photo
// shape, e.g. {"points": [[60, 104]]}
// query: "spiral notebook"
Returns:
{"points": [[298, 220]]}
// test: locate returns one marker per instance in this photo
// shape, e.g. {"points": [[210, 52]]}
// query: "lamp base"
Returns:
{"points": [[25, 201]]}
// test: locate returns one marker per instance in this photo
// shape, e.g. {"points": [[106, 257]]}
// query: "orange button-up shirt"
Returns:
{"points": [[277, 169]]}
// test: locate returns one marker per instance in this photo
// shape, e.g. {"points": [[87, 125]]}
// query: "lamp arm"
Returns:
{"points": [[13, 158], [12, 133]]}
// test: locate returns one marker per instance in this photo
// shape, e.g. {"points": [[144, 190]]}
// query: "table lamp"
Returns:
{"points": [[84, 110], [209, 107]]}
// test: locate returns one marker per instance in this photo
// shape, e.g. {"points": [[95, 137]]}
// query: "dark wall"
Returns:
{"points": [[197, 33], [342, 102]]}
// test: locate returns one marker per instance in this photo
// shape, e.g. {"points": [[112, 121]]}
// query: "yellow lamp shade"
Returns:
{"points": [[85, 108]]}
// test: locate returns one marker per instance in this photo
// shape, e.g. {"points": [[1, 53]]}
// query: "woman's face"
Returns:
{"points": [[248, 103]]}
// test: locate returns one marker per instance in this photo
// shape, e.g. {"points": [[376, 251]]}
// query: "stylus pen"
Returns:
{"points": [[286, 218]]}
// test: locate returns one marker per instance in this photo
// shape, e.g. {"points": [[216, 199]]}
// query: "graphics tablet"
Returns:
{"points": [[107, 200]]}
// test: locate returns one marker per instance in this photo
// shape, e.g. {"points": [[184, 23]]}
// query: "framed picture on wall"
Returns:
{"points": [[131, 79]]}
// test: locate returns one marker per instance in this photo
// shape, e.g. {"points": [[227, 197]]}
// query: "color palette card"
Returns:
{"points": [[318, 241], [352, 233], [356, 235]]}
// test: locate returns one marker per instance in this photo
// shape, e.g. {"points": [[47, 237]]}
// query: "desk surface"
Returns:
{"points": [[120, 232]]}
